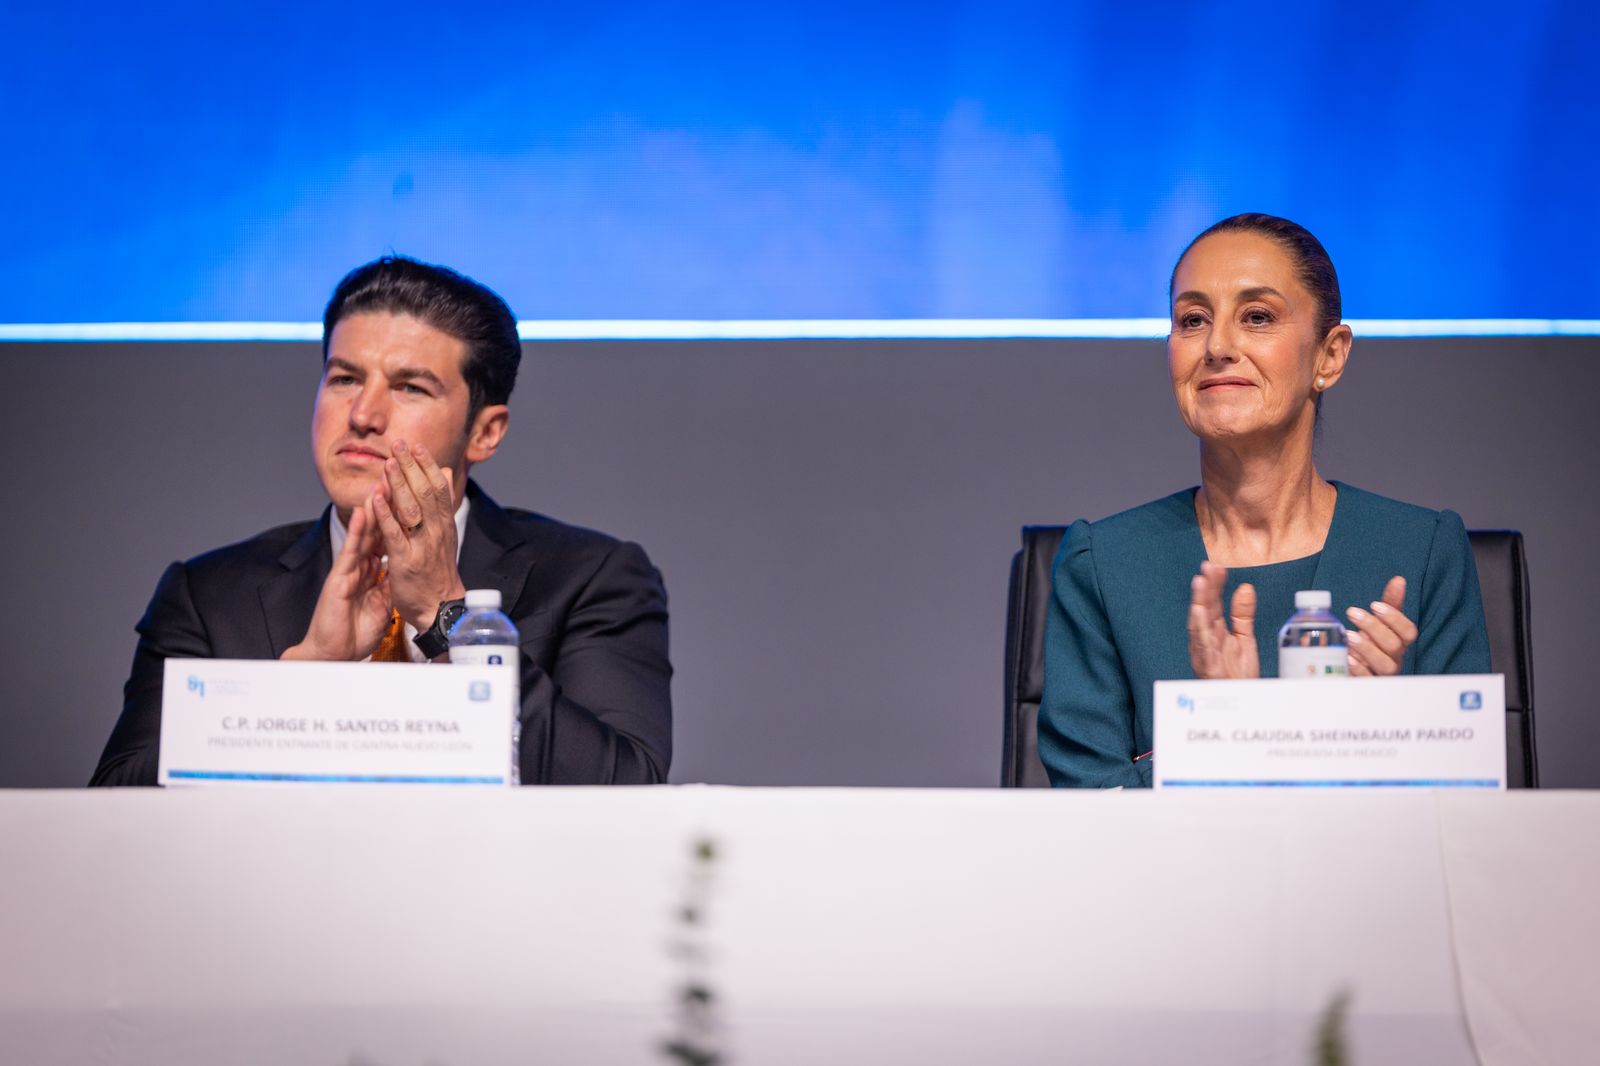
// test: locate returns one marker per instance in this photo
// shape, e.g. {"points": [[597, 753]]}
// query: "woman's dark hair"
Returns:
{"points": [[1312, 265], [449, 302]]}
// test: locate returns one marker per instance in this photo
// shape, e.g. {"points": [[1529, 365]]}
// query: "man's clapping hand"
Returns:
{"points": [[416, 512], [353, 611]]}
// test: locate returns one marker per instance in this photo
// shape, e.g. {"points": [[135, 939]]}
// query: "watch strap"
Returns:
{"points": [[435, 640]]}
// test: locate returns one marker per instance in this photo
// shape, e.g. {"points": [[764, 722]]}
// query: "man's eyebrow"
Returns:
{"points": [[409, 373], [416, 373]]}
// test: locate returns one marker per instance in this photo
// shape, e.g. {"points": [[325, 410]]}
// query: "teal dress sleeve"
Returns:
{"points": [[1452, 637], [1086, 716]]}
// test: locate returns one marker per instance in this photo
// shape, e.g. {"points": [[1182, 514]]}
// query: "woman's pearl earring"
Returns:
{"points": [[1322, 383]]}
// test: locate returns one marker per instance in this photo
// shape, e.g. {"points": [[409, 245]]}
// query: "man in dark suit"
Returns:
{"points": [[418, 365]]}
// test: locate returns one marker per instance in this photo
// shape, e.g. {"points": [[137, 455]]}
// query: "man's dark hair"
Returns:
{"points": [[449, 302], [1312, 264]]}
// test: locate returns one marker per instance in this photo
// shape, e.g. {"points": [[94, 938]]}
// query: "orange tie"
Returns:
{"points": [[392, 648]]}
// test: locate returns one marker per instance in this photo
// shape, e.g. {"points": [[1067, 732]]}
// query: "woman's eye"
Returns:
{"points": [[1258, 317], [1192, 320]]}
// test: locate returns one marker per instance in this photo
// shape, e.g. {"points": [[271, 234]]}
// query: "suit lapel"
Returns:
{"points": [[494, 553], [288, 600]]}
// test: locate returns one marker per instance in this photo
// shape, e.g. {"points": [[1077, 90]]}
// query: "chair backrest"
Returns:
{"points": [[1507, 608], [1502, 572]]}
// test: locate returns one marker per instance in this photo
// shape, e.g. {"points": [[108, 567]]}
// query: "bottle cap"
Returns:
{"points": [[490, 598], [1303, 601]]}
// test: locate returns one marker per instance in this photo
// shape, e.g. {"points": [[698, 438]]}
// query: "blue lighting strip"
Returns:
{"points": [[795, 329], [1473, 782], [322, 779], [163, 331]]}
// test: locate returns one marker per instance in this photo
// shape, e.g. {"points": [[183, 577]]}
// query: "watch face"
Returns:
{"points": [[449, 615], [436, 640]]}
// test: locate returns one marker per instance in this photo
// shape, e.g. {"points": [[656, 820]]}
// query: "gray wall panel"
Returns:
{"points": [[834, 519]]}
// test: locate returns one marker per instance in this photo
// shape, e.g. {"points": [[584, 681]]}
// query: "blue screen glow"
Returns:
{"points": [[993, 160]]}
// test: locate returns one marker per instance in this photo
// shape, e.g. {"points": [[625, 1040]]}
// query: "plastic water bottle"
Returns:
{"points": [[484, 636], [1312, 642]]}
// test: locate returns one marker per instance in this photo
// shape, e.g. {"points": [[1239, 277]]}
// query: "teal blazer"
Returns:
{"points": [[1118, 616]]}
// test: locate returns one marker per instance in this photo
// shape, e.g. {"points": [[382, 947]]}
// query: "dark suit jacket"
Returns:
{"points": [[591, 612]]}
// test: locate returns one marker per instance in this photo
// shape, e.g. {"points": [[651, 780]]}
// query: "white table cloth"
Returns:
{"points": [[361, 925]]}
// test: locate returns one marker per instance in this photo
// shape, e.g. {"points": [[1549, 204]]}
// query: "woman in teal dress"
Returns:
{"points": [[1256, 340]]}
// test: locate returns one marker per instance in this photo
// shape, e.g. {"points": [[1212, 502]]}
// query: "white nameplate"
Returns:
{"points": [[236, 721], [1447, 731]]}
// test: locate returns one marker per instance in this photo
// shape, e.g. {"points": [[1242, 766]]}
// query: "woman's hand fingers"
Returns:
{"points": [[1197, 640], [1216, 579], [1394, 593], [1396, 622], [1243, 610], [1381, 635], [1377, 662], [1375, 632], [1202, 643], [1215, 650], [1204, 622]]}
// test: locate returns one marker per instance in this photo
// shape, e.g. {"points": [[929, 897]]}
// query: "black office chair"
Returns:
{"points": [[1502, 572]]}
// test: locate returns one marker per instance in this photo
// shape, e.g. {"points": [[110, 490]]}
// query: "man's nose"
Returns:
{"points": [[370, 411]]}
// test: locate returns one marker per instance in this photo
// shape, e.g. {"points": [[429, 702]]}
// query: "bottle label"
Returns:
{"points": [[1331, 661], [484, 654], [497, 655]]}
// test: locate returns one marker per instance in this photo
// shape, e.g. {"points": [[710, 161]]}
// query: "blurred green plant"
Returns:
{"points": [[697, 1033], [1331, 1045]]}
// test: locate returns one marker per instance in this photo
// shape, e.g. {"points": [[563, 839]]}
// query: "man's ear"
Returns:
{"points": [[488, 429]]}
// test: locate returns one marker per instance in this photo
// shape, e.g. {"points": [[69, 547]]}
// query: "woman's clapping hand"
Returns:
{"points": [[1379, 637], [1215, 649]]}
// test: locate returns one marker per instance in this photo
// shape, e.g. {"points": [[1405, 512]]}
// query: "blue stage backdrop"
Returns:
{"points": [[820, 160]]}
